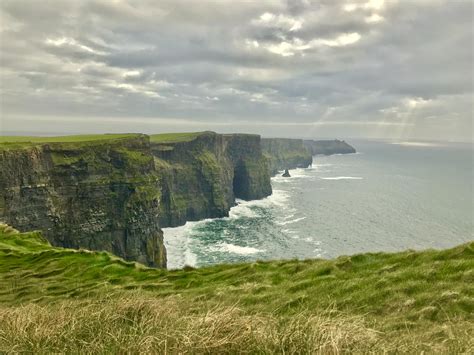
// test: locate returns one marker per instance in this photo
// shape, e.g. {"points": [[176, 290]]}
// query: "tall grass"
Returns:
{"points": [[139, 324]]}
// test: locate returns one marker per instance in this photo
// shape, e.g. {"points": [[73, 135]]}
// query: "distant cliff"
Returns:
{"points": [[328, 147], [201, 174], [285, 153], [97, 194]]}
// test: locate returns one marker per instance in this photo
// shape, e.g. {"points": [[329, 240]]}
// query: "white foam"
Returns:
{"points": [[235, 249], [418, 144], [298, 173], [290, 222], [342, 178], [242, 210], [178, 244]]}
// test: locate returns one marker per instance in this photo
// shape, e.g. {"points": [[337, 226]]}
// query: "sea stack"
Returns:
{"points": [[286, 173]]}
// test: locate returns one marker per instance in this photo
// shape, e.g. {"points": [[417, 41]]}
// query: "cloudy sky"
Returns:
{"points": [[380, 69]]}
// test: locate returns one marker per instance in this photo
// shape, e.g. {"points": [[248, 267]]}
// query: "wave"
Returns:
{"points": [[178, 244], [298, 173], [290, 222], [235, 249], [418, 144], [343, 178]]}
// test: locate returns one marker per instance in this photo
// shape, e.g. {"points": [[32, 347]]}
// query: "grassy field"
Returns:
{"points": [[174, 137], [61, 300]]}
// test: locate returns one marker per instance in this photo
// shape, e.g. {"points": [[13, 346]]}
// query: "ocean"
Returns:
{"points": [[387, 197]]}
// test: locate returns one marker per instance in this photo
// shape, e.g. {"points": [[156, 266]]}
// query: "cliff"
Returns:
{"points": [[116, 192], [328, 147], [92, 192], [284, 153], [202, 173]]}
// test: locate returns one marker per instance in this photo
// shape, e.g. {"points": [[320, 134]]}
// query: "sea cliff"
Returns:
{"points": [[328, 147], [201, 174], [116, 192], [285, 153], [98, 193]]}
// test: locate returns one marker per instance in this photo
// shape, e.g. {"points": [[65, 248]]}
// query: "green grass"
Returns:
{"points": [[18, 142], [64, 139], [175, 137], [409, 301]]}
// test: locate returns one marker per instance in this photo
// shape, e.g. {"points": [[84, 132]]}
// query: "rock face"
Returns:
{"points": [[98, 195], [328, 147], [202, 174], [251, 179], [285, 153]]}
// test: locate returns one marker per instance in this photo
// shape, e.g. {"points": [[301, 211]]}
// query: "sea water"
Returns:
{"points": [[387, 197]]}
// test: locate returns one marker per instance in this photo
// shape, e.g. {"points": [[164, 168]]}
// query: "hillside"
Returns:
{"points": [[63, 300]]}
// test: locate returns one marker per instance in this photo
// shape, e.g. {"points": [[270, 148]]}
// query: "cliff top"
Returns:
{"points": [[7, 142], [176, 137], [409, 300]]}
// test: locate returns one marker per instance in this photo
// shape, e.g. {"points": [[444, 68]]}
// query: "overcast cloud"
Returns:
{"points": [[387, 69]]}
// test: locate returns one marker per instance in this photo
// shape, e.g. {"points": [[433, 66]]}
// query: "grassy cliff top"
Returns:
{"points": [[65, 139], [176, 137], [93, 302], [14, 142]]}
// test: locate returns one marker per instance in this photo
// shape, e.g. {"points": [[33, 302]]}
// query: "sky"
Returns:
{"points": [[313, 69]]}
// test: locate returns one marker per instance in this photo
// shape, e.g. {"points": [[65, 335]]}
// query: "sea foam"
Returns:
{"points": [[235, 249], [342, 178]]}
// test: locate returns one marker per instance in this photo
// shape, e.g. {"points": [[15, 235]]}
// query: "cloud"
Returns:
{"points": [[353, 68]]}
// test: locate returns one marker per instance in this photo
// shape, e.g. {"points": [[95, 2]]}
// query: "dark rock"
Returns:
{"points": [[286, 173]]}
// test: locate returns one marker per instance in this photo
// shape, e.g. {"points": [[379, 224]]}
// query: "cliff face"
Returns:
{"points": [[328, 147], [201, 174], [195, 177], [98, 195], [251, 180], [284, 153]]}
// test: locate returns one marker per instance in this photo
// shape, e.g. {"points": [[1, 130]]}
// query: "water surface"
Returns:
{"points": [[387, 197]]}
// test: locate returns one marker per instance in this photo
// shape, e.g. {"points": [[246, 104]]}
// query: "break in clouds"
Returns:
{"points": [[388, 69]]}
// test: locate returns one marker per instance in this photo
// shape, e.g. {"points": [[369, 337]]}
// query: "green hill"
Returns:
{"points": [[64, 300]]}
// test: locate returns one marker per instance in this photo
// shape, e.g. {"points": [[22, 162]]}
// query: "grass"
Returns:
{"points": [[60, 300], [64, 139], [16, 142], [175, 137]]}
